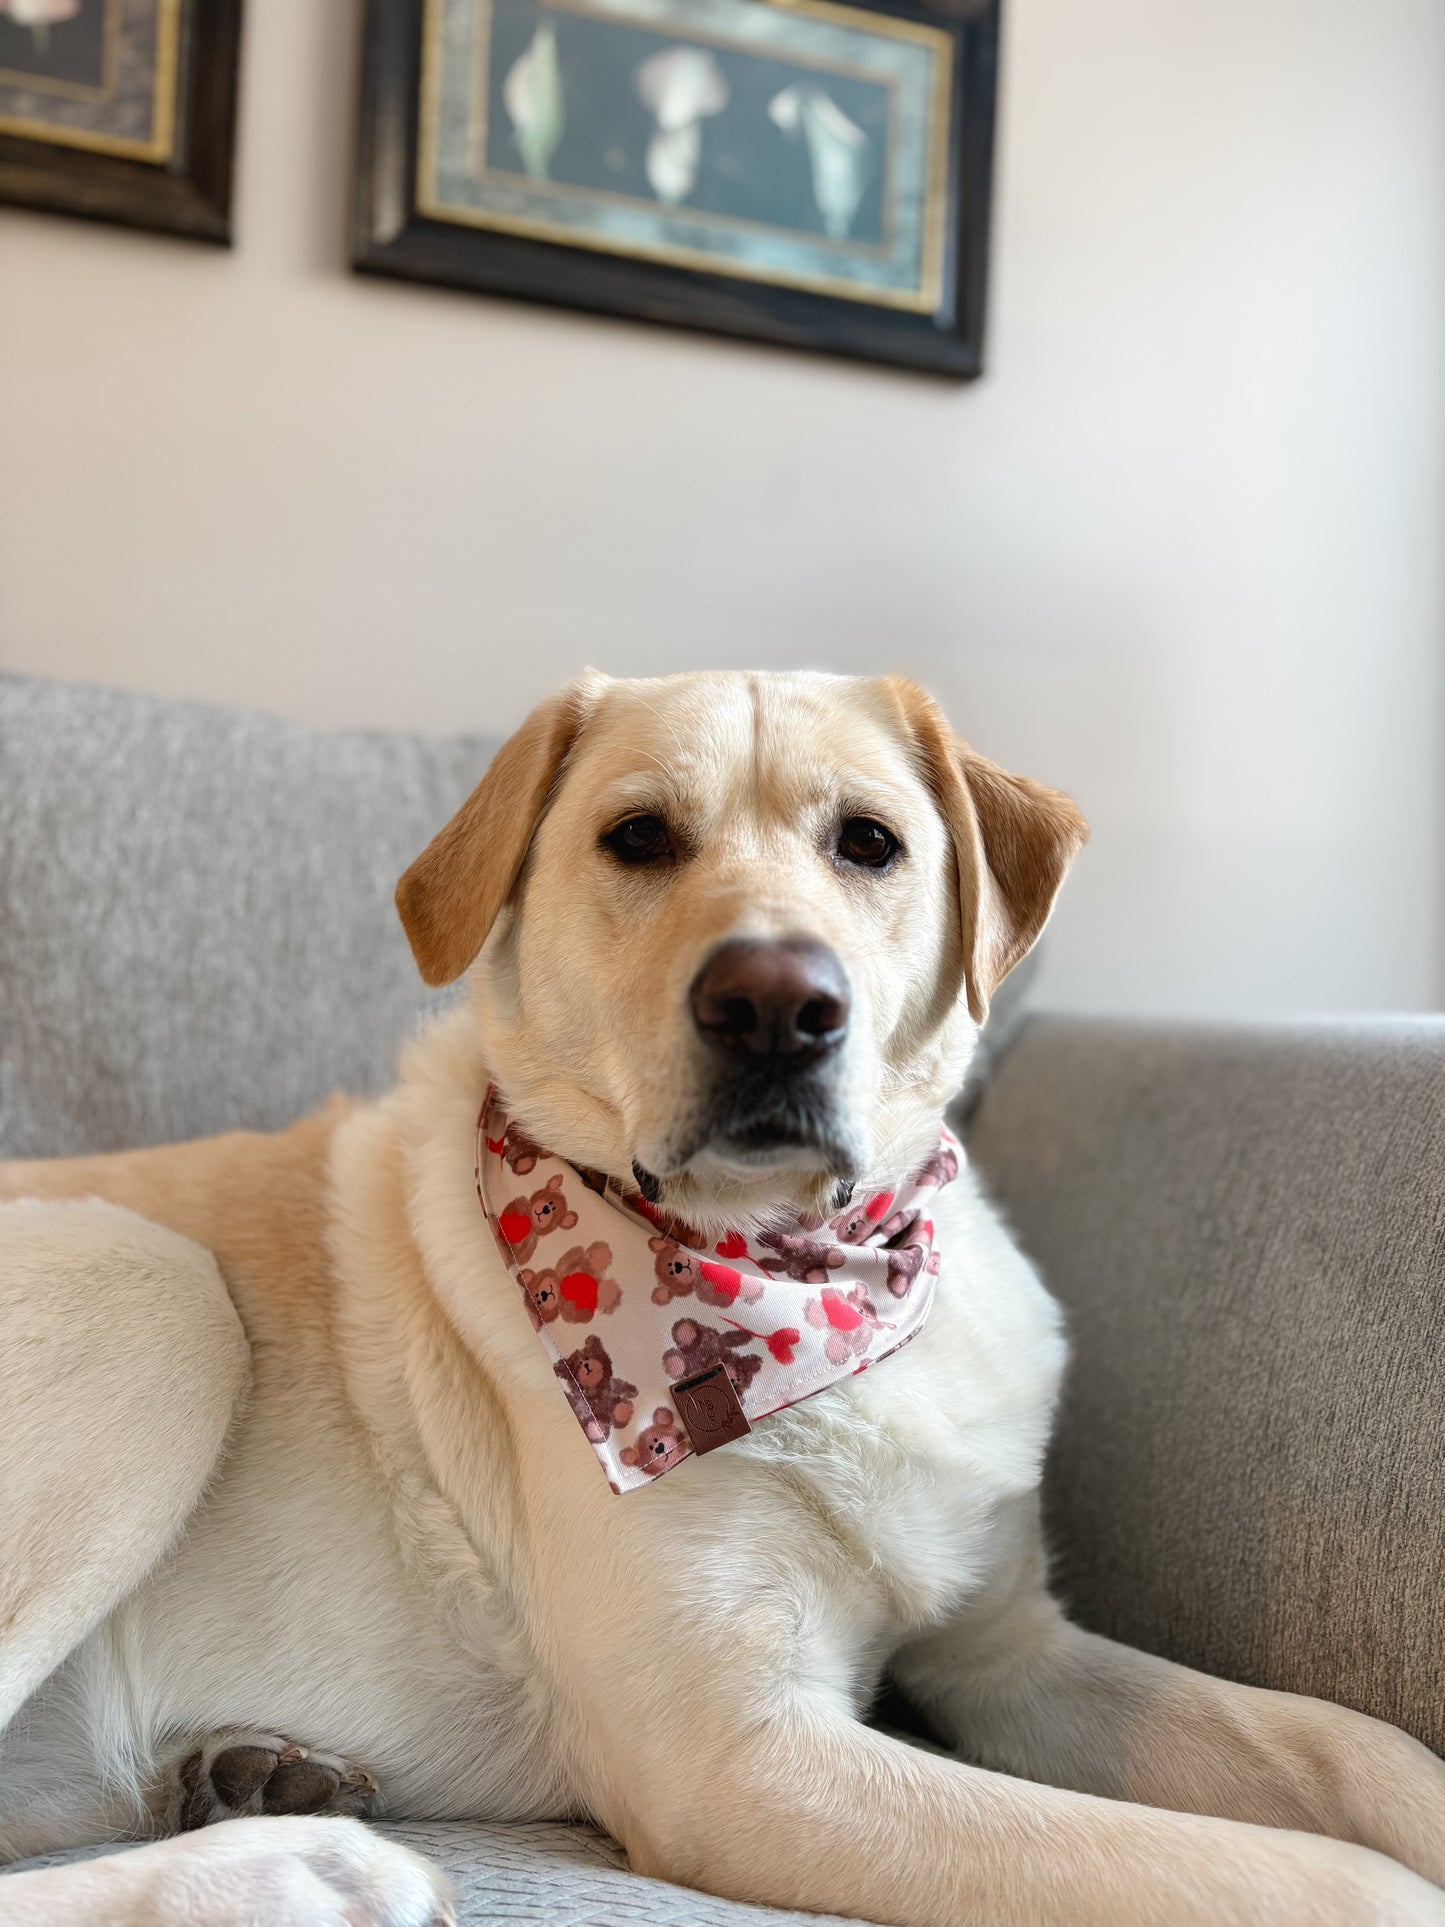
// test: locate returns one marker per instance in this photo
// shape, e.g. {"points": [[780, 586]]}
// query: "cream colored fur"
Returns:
{"points": [[371, 1523]]}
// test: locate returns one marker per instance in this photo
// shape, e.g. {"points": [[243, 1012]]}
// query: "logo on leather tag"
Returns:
{"points": [[708, 1406]]}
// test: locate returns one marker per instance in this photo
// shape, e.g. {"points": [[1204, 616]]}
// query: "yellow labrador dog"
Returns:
{"points": [[299, 1524]]}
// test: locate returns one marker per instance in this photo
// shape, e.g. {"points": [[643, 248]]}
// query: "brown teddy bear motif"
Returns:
{"points": [[941, 1167], [539, 1294], [583, 1286], [659, 1446], [509, 1141], [520, 1151], [522, 1221], [594, 1391], [722, 1285], [725, 1284], [806, 1259], [858, 1223], [849, 1320], [909, 1250], [697, 1348], [674, 1268]]}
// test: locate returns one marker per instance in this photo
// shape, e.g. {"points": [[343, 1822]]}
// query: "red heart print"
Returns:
{"points": [[781, 1344], [878, 1208], [579, 1288], [841, 1315], [515, 1226], [723, 1279], [734, 1245], [495, 1144]]}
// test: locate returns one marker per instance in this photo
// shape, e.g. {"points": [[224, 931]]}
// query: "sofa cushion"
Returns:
{"points": [[196, 922], [1246, 1227]]}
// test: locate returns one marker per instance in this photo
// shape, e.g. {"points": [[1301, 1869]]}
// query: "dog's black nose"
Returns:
{"points": [[782, 1000]]}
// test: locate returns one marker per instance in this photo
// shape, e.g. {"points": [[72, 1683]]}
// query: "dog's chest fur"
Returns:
{"points": [[902, 1484], [414, 1595], [831, 1533], [898, 1484]]}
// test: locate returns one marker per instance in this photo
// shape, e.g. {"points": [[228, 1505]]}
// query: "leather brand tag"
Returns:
{"points": [[708, 1406]]}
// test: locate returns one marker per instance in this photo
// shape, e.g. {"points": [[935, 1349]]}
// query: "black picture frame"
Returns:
{"points": [[391, 236], [189, 192]]}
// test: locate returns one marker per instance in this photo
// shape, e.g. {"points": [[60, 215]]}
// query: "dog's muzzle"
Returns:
{"points": [[772, 1016]]}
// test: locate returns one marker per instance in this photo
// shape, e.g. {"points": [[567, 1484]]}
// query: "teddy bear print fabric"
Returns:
{"points": [[630, 1305]]}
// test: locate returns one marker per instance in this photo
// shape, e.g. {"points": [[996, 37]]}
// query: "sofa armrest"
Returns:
{"points": [[1247, 1228]]}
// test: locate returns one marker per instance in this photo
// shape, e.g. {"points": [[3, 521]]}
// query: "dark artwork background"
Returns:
{"points": [[73, 50], [749, 168], [180, 185]]}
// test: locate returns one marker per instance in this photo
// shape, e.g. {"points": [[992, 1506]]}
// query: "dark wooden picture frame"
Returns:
{"points": [[186, 192], [394, 232]]}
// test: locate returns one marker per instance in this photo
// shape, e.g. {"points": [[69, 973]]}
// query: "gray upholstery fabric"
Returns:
{"points": [[1248, 1229], [196, 924], [547, 1875]]}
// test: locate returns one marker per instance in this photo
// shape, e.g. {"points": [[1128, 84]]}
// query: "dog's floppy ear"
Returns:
{"points": [[1014, 840], [449, 898]]}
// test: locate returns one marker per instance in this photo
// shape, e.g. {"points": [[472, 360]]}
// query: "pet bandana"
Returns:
{"points": [[667, 1343]]}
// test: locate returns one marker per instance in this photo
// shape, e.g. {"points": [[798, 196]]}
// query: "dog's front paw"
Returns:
{"points": [[239, 1773], [253, 1873]]}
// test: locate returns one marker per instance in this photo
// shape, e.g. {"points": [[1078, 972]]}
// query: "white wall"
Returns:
{"points": [[1180, 551]]}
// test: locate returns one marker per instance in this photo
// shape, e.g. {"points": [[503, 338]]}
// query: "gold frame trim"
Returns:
{"points": [[923, 298], [478, 106], [161, 144]]}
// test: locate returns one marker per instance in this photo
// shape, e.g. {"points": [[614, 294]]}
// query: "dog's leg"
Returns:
{"points": [[1013, 1685], [122, 1363], [253, 1873], [803, 1807]]}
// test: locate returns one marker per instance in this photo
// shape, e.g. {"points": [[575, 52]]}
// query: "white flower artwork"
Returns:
{"points": [[39, 15], [840, 154], [532, 96], [681, 87]]}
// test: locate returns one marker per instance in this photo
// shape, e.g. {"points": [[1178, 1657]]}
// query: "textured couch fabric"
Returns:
{"points": [[1247, 1227], [549, 1875], [196, 921]]}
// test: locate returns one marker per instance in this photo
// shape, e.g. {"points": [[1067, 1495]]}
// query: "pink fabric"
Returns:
{"points": [[628, 1303]]}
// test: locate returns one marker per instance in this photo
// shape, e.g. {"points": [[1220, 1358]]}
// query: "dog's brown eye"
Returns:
{"points": [[639, 839], [862, 840]]}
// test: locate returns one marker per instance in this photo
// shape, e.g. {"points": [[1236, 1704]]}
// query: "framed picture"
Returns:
{"points": [[802, 171], [121, 110]]}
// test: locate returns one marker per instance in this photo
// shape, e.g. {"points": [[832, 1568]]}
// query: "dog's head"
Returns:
{"points": [[734, 933]]}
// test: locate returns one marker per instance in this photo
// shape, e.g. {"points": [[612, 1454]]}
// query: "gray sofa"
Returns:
{"points": [[1246, 1225]]}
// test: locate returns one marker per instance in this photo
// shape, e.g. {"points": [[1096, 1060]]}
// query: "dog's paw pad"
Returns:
{"points": [[249, 1773], [298, 1786], [241, 1772]]}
